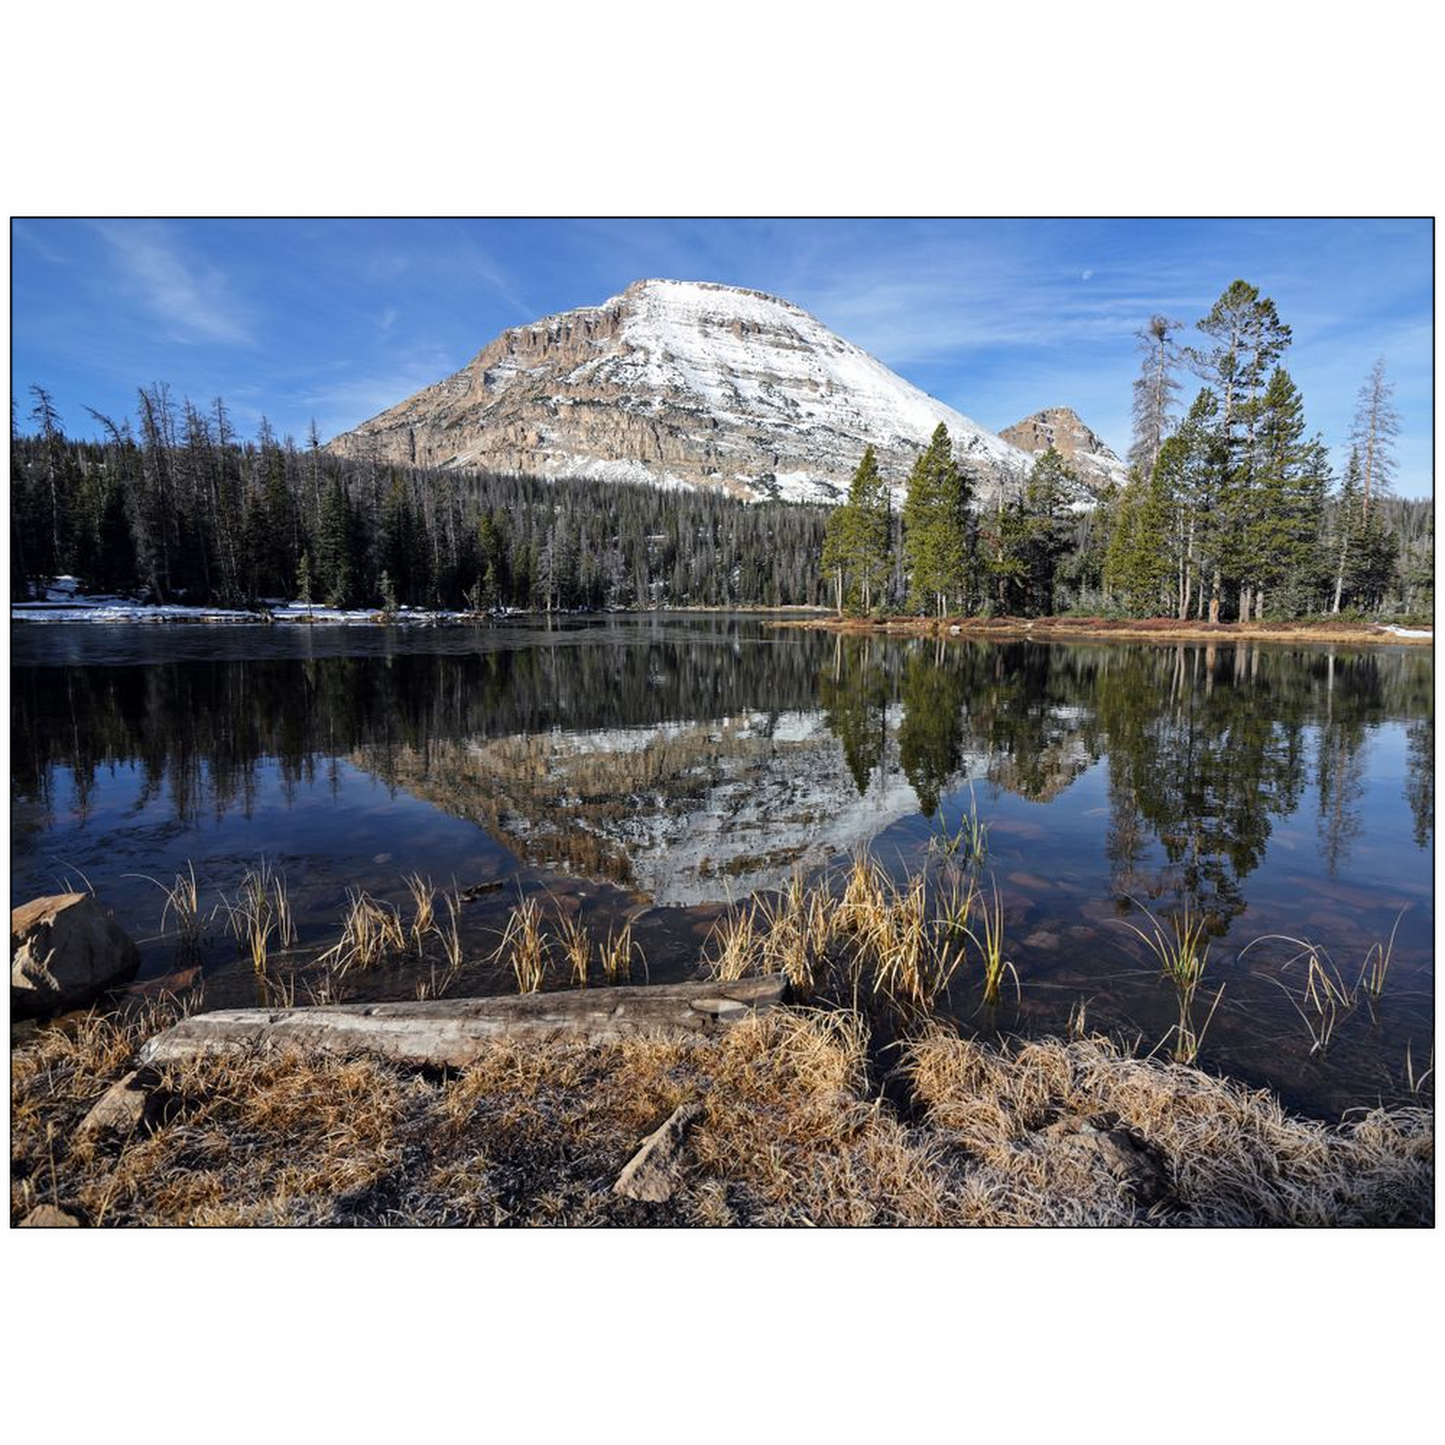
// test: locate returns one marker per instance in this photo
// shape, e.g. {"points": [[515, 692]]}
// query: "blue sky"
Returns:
{"points": [[337, 320]]}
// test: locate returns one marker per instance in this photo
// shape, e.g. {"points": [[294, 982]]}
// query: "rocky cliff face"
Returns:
{"points": [[1085, 451], [680, 383]]}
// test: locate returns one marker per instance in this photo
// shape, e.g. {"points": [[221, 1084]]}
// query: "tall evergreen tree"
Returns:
{"points": [[935, 517], [1281, 547], [855, 546], [1048, 500], [1246, 339], [335, 547], [1154, 392], [1376, 425]]}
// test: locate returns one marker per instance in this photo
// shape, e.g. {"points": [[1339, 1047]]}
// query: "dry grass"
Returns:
{"points": [[1325, 999], [576, 945], [1188, 1148], [968, 843], [441, 979], [181, 911], [1376, 967], [423, 897], [989, 938], [1183, 955], [260, 912], [619, 952], [792, 1131], [525, 947], [370, 932], [888, 946]]}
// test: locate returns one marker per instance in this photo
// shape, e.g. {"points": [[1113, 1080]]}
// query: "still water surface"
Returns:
{"points": [[660, 768]]}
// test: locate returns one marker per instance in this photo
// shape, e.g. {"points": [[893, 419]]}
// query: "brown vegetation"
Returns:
{"points": [[791, 1128], [1114, 629]]}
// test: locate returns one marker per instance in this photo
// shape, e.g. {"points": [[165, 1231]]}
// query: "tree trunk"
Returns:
{"points": [[451, 1033]]}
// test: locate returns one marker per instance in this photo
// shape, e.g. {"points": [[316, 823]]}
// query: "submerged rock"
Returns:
{"points": [[65, 951]]}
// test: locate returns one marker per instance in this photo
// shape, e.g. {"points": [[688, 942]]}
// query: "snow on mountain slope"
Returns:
{"points": [[680, 383]]}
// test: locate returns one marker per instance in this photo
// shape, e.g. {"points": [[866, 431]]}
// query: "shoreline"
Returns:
{"points": [[802, 1076], [1098, 629], [115, 611], [780, 1119]]}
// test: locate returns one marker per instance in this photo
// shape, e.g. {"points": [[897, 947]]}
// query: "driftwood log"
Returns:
{"points": [[451, 1033]]}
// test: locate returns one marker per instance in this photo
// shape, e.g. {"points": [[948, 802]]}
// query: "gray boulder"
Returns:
{"points": [[65, 951]]}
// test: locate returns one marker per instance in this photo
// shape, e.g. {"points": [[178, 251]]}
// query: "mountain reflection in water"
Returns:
{"points": [[694, 761]]}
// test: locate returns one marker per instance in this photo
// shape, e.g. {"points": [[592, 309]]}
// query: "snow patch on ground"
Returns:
{"points": [[64, 602]]}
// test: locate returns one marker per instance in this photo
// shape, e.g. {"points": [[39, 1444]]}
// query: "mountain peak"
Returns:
{"points": [[1062, 428], [680, 383]]}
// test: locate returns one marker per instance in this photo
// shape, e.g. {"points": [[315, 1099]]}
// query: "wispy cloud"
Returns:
{"points": [[194, 302]]}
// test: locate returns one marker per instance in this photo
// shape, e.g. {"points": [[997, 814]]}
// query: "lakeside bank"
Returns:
{"points": [[1101, 629], [776, 1122]]}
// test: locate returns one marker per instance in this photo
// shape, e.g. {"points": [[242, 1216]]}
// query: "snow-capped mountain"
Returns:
{"points": [[680, 383], [1085, 451]]}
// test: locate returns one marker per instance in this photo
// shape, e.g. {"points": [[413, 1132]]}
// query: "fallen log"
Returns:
{"points": [[450, 1033]]}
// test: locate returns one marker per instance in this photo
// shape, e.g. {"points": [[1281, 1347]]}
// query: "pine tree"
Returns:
{"points": [[1200, 491], [1281, 535], [1376, 425], [335, 561], [934, 525], [303, 580], [855, 544], [1248, 338], [1139, 561], [1154, 392], [868, 502], [835, 556], [1048, 498], [59, 483]]}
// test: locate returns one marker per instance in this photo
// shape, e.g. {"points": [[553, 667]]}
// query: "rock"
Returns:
{"points": [[1086, 452], [122, 1107], [50, 1216], [1117, 1150], [65, 951], [652, 1173], [1042, 939], [1031, 881]]}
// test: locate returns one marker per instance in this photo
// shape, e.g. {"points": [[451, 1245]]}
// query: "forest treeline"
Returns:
{"points": [[1231, 511], [175, 505]]}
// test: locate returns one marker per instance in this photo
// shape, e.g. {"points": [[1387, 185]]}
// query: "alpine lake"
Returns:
{"points": [[668, 768]]}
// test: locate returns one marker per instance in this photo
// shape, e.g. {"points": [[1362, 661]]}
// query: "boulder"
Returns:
{"points": [[1104, 1144], [653, 1173], [123, 1106], [65, 951], [49, 1216]]}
